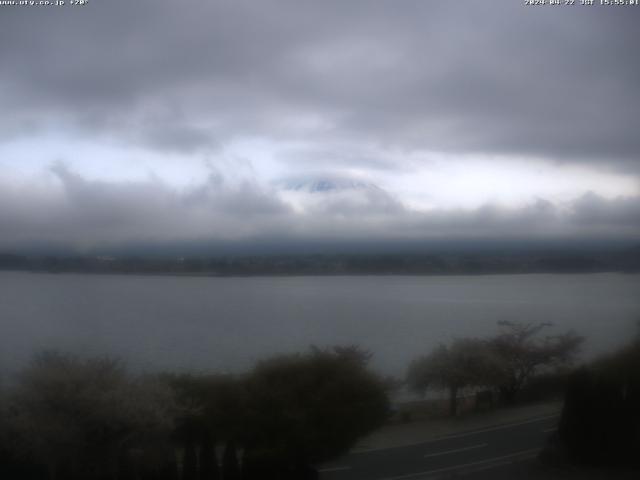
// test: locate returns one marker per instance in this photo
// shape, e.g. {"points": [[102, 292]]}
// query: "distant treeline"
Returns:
{"points": [[627, 260]]}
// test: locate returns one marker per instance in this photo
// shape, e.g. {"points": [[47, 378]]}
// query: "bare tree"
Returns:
{"points": [[523, 352], [463, 363]]}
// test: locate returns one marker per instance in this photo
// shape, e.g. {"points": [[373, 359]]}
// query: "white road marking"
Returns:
{"points": [[446, 452], [497, 460], [455, 435], [491, 429], [334, 469], [547, 430]]}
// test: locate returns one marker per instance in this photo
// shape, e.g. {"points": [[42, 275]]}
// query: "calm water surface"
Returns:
{"points": [[225, 324]]}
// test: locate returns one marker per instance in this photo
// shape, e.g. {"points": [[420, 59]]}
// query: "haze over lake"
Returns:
{"points": [[225, 324]]}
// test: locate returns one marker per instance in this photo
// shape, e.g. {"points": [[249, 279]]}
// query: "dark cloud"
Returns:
{"points": [[72, 211], [591, 209], [473, 77]]}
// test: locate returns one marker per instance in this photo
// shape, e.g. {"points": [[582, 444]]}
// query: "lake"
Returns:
{"points": [[226, 324]]}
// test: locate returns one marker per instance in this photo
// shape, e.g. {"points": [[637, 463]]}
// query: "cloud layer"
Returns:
{"points": [[88, 215], [361, 89], [465, 77]]}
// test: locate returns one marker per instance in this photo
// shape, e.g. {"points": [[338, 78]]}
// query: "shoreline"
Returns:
{"points": [[321, 274]]}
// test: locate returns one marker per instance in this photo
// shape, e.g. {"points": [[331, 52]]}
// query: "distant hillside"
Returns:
{"points": [[624, 260]]}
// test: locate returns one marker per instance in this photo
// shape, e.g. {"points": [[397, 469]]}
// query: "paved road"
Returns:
{"points": [[464, 452]]}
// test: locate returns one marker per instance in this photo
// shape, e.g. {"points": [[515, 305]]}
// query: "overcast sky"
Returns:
{"points": [[202, 120]]}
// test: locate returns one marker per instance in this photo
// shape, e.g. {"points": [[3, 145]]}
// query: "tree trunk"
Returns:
{"points": [[52, 469], [190, 465], [230, 467], [453, 400], [508, 395], [209, 469]]}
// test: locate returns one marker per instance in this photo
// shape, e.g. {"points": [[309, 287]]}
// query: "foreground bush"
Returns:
{"points": [[600, 423], [72, 419], [212, 413], [83, 419], [306, 409]]}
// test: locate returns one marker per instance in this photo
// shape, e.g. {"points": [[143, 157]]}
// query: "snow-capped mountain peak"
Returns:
{"points": [[326, 185]]}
